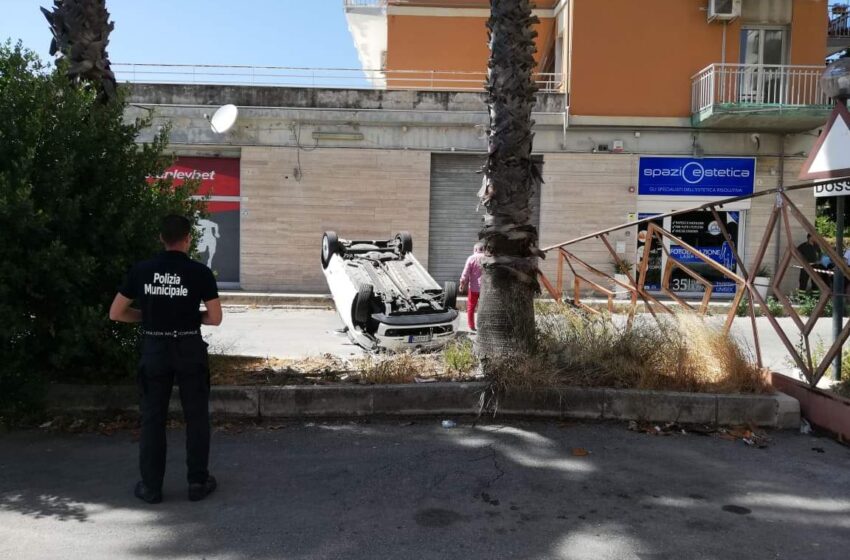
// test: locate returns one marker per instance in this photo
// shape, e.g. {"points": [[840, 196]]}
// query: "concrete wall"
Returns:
{"points": [[359, 193], [584, 193]]}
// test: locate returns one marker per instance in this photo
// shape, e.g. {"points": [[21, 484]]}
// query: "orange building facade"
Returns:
{"points": [[619, 58], [679, 84]]}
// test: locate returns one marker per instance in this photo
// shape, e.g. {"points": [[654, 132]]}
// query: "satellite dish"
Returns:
{"points": [[224, 118]]}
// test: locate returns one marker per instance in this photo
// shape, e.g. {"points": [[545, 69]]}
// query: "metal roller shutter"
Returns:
{"points": [[454, 222]]}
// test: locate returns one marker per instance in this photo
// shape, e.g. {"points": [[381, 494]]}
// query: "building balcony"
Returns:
{"points": [[838, 31], [759, 97]]}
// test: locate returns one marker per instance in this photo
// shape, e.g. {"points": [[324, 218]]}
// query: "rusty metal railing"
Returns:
{"points": [[783, 214]]}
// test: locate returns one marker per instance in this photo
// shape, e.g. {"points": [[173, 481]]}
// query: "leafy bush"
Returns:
{"points": [[743, 305], [775, 307], [76, 210], [808, 302], [825, 226]]}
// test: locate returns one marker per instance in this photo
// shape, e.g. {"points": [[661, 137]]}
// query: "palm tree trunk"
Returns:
{"points": [[81, 31], [509, 282]]}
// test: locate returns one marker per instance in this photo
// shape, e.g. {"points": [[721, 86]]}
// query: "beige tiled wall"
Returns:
{"points": [[374, 193], [359, 193], [582, 194]]}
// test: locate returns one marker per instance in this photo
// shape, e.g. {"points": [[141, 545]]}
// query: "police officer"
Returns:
{"points": [[167, 291]]}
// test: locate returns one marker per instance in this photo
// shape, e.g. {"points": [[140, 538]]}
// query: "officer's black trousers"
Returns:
{"points": [[163, 361]]}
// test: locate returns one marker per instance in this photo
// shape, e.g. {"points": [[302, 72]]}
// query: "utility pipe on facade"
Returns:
{"points": [[777, 233]]}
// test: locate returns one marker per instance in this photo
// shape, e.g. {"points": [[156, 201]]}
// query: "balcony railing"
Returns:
{"points": [[342, 78], [757, 86], [364, 3], [839, 27]]}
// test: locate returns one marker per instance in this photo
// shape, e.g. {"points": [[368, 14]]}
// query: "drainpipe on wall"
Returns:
{"points": [[564, 131], [723, 47], [777, 234]]}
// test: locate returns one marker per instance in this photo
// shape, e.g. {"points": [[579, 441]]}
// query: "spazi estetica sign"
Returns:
{"points": [[704, 177]]}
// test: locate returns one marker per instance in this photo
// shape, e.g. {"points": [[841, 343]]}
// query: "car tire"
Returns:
{"points": [[405, 241], [330, 247], [363, 304], [450, 295]]}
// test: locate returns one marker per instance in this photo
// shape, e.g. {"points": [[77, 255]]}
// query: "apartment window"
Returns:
{"points": [[763, 52]]}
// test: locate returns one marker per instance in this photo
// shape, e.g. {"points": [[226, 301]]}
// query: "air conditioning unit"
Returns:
{"points": [[724, 10]]}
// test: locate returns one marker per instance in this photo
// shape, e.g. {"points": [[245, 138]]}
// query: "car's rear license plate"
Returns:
{"points": [[419, 338]]}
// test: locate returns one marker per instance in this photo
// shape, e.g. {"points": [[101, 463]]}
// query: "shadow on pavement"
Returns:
{"points": [[397, 489]]}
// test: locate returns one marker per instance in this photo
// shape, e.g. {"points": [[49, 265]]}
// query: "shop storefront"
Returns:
{"points": [[668, 184], [217, 235]]}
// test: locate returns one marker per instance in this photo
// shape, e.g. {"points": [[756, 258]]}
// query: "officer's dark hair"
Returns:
{"points": [[174, 228]]}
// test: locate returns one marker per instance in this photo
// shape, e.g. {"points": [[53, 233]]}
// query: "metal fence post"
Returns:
{"points": [[838, 286]]}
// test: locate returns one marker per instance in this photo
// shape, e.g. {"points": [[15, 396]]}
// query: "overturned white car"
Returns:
{"points": [[385, 298]]}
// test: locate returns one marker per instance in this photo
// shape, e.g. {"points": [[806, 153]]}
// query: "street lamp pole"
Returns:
{"points": [[835, 82]]}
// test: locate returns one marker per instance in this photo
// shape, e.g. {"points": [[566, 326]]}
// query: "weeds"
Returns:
{"points": [[396, 368], [459, 357], [573, 348], [774, 307], [818, 352], [679, 353], [808, 302]]}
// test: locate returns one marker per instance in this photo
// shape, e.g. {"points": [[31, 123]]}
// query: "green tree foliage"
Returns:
{"points": [[76, 210]]}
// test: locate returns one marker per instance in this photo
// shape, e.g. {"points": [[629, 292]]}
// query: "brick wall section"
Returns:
{"points": [[584, 193], [359, 193]]}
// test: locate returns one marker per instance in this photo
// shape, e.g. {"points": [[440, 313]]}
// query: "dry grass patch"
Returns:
{"points": [[245, 370], [398, 368], [675, 353], [454, 363]]}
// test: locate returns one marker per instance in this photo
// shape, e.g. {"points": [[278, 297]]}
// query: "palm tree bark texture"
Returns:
{"points": [[81, 31], [509, 283]]}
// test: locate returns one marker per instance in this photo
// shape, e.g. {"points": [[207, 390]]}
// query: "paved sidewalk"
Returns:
{"points": [[417, 491]]}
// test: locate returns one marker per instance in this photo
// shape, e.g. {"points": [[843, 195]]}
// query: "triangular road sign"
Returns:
{"points": [[830, 156]]}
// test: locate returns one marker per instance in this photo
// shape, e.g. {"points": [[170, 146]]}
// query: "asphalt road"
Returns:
{"points": [[287, 333], [418, 491]]}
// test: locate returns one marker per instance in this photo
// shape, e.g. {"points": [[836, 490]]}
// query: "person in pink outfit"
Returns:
{"points": [[470, 283]]}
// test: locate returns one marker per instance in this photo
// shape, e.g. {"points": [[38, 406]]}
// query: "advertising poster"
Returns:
{"points": [[217, 236], [699, 230], [656, 255]]}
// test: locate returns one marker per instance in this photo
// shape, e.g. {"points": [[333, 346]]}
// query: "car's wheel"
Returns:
{"points": [[330, 247], [405, 241], [363, 304], [450, 295]]}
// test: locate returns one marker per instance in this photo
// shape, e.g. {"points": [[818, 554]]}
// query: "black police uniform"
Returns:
{"points": [[811, 253], [169, 289]]}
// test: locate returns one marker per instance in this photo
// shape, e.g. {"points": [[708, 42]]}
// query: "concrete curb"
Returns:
{"points": [[438, 399]]}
